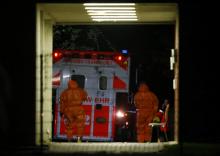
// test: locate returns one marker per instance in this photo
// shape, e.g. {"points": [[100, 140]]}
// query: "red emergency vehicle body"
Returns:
{"points": [[105, 76]]}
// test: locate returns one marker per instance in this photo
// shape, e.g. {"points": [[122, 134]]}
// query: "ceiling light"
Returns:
{"points": [[110, 14], [109, 4], [111, 11], [114, 19], [109, 8], [107, 11]]}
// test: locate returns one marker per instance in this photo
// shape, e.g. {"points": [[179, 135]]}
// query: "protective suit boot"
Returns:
{"points": [[79, 139]]}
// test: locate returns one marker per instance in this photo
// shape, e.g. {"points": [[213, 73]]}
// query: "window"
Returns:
{"points": [[103, 83], [80, 79]]}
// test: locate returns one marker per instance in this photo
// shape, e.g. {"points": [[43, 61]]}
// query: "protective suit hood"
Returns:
{"points": [[143, 88], [72, 84]]}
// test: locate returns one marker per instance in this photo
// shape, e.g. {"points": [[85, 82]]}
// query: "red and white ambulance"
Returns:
{"points": [[105, 77]]}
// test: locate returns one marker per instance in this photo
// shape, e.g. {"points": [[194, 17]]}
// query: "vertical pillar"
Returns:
{"points": [[43, 77], [176, 79]]}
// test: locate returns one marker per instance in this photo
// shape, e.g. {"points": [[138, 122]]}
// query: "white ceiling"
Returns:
{"points": [[74, 13]]}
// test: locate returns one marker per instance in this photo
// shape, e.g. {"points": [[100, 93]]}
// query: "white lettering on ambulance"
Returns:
{"points": [[89, 99], [101, 100], [97, 100]]}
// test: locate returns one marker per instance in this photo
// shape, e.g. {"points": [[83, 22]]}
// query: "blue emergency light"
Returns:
{"points": [[124, 51]]}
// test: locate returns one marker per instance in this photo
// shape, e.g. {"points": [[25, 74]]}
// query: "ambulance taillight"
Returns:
{"points": [[119, 58], [57, 56], [122, 61]]}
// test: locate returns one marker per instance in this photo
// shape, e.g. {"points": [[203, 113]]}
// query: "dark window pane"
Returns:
{"points": [[103, 83]]}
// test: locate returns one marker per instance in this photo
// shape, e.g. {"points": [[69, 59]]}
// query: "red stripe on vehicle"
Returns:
{"points": [[56, 79], [118, 83]]}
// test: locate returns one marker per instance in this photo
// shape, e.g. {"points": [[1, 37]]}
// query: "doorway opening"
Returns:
{"points": [[145, 63]]}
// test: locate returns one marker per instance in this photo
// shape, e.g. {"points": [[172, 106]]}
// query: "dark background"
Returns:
{"points": [[199, 98]]}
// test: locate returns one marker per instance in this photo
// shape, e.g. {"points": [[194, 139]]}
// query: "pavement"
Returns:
{"points": [[145, 149]]}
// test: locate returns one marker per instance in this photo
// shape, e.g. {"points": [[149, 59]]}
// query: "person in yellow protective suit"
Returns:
{"points": [[146, 103], [72, 110]]}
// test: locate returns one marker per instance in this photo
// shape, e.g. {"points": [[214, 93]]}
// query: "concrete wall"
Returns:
{"points": [[44, 35]]}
